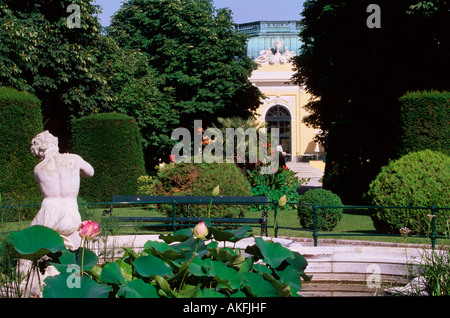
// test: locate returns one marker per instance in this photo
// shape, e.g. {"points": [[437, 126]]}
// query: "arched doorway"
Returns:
{"points": [[279, 117]]}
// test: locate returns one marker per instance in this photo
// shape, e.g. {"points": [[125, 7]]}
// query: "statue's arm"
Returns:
{"points": [[86, 170]]}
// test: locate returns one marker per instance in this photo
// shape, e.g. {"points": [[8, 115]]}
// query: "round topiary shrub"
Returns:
{"points": [[418, 179], [20, 122], [326, 218], [199, 179], [111, 143]]}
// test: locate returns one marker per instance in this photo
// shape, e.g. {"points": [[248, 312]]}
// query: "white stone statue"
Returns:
{"points": [[58, 176], [278, 45], [281, 57]]}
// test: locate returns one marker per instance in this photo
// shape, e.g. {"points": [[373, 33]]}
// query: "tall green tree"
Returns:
{"points": [[44, 51], [136, 87], [197, 53], [357, 72]]}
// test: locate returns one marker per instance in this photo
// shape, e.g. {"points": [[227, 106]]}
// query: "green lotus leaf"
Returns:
{"points": [[71, 285], [283, 290], [222, 254], [129, 253], [187, 248], [158, 246], [231, 235], [246, 266], [209, 293], [112, 274], [236, 261], [161, 249], [241, 233], [298, 262], [36, 241], [256, 286], [150, 265], [223, 274], [261, 268], [165, 290], [274, 253], [291, 277], [177, 236], [188, 291], [197, 267], [69, 257], [138, 289]]}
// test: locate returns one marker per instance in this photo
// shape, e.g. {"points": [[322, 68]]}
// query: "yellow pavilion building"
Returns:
{"points": [[272, 44]]}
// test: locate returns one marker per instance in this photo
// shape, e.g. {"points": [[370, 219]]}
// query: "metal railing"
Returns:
{"points": [[434, 211], [315, 232]]}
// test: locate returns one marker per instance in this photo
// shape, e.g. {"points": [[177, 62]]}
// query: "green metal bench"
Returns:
{"points": [[175, 221]]}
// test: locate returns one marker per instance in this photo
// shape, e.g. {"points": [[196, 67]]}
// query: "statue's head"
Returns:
{"points": [[42, 142]]}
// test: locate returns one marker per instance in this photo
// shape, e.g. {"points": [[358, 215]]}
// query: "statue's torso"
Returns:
{"points": [[59, 176]]}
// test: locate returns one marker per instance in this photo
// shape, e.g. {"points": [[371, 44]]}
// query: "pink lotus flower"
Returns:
{"points": [[201, 231], [89, 229]]}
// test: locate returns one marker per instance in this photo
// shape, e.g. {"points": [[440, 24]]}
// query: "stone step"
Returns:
{"points": [[305, 170]]}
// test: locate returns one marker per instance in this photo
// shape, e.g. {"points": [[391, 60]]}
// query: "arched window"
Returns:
{"points": [[279, 117]]}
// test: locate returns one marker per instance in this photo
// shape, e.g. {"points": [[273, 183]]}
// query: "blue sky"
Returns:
{"points": [[243, 10]]}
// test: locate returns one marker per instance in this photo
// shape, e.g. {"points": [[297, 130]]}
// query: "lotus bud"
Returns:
{"points": [[89, 229], [201, 231], [282, 201], [216, 191]]}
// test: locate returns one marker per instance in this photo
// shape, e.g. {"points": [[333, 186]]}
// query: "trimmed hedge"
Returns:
{"points": [[423, 122], [199, 179], [327, 219], [111, 143], [418, 179], [20, 122]]}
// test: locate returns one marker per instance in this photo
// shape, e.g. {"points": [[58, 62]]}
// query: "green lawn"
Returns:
{"points": [[355, 222]]}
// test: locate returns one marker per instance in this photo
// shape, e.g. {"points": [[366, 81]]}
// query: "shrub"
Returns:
{"points": [[111, 143], [423, 122], [20, 121], [283, 182], [326, 218], [199, 179], [418, 179]]}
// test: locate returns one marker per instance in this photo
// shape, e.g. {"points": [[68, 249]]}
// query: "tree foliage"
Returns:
{"points": [[197, 54], [62, 66], [358, 73], [139, 92]]}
